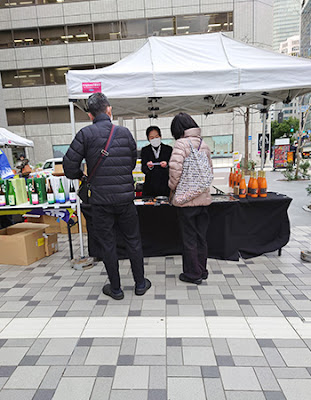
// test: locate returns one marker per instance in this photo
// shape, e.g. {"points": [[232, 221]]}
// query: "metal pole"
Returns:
{"points": [[73, 131], [135, 129], [263, 142]]}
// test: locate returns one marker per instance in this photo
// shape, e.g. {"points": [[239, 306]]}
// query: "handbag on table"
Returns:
{"points": [[196, 177], [84, 191]]}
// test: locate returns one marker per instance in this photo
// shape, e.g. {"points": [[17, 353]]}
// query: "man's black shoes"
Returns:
{"points": [[184, 278], [143, 290], [107, 290]]}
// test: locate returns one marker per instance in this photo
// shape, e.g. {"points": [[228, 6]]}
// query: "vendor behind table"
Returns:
{"points": [[154, 161]]}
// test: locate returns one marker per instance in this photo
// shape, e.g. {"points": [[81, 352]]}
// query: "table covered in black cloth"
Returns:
{"points": [[245, 228]]}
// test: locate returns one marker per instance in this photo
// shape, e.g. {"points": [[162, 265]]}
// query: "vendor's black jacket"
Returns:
{"points": [[112, 183], [156, 179]]}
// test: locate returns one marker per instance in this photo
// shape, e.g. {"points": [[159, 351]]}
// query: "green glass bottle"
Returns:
{"points": [[11, 195], [61, 193]]}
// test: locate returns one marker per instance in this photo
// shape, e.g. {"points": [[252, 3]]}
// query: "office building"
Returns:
{"points": [[305, 29], [286, 20], [42, 39]]}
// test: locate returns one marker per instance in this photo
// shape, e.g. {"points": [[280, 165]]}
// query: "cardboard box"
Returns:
{"points": [[50, 244], [22, 244], [53, 225]]}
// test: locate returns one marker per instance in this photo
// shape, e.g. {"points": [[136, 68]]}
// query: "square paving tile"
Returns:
{"points": [[239, 378], [185, 389], [133, 377], [26, 377]]}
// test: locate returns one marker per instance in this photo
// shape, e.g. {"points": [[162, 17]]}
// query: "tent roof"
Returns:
{"points": [[196, 73], [8, 138]]}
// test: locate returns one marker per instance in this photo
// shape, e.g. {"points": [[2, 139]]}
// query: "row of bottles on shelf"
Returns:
{"points": [[39, 191], [257, 186]]}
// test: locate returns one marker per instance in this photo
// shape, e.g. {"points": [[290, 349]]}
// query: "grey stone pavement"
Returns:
{"points": [[245, 334]]}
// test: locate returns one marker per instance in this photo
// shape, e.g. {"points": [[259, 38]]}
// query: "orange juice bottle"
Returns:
{"points": [[263, 186], [236, 178], [239, 176], [250, 184], [254, 189], [259, 180], [242, 187], [231, 178]]}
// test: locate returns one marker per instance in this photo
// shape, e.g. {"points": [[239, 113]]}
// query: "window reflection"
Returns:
{"points": [[161, 27], [52, 35], [79, 33], [30, 77], [55, 76], [220, 146], [133, 29], [107, 31], [6, 39], [25, 37]]}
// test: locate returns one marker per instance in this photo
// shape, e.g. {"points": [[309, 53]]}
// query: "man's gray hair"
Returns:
{"points": [[97, 104]]}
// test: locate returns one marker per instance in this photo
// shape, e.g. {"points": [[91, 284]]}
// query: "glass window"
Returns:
{"points": [[161, 27], [80, 33], [81, 116], [220, 146], [52, 35], [22, 2], [107, 31], [132, 29], [6, 39], [55, 76], [36, 116], [58, 115], [218, 22], [15, 116], [26, 37], [10, 79], [192, 24], [30, 77]]}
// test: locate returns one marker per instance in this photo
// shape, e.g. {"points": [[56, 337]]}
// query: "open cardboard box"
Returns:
{"points": [[22, 244]]}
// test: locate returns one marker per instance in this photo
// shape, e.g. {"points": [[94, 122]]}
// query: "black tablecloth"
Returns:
{"points": [[244, 228]]}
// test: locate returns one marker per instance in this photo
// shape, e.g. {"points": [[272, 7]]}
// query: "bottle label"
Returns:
{"points": [[242, 191], [61, 197], [263, 191], [2, 200], [51, 198], [72, 197], [253, 191], [34, 198], [11, 200]]}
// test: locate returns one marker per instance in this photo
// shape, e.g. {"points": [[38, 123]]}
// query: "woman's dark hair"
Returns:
{"points": [[153, 128], [181, 122]]}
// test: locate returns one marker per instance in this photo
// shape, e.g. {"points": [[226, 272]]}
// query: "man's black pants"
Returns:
{"points": [[193, 223], [105, 220]]}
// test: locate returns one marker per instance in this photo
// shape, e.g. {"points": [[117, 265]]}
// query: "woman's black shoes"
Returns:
{"points": [[107, 290], [184, 278]]}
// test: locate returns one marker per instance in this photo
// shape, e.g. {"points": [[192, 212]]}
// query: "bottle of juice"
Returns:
{"points": [[254, 189], [242, 187], [250, 182], [61, 193], [11, 195], [263, 186], [231, 178]]}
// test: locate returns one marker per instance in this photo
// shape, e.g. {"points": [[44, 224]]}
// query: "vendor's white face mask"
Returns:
{"points": [[155, 142]]}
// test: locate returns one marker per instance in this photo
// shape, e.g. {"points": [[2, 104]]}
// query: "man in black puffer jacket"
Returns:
{"points": [[112, 192]]}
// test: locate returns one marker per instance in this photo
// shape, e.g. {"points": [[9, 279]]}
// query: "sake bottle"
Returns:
{"points": [[72, 193], [50, 193], [242, 187], [2, 197], [263, 186], [34, 194], [61, 193], [11, 195]]}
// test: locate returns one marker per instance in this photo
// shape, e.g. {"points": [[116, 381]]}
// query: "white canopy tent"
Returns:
{"points": [[9, 139], [198, 74]]}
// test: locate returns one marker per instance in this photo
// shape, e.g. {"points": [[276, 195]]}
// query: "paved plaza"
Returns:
{"points": [[245, 334]]}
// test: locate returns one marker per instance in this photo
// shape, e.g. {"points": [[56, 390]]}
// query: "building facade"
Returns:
{"points": [[286, 20], [291, 46], [40, 42], [305, 29]]}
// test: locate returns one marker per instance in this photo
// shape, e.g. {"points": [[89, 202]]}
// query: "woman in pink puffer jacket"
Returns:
{"points": [[193, 216]]}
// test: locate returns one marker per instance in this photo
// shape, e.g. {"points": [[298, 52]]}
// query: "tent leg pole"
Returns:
{"points": [[73, 131], [263, 143]]}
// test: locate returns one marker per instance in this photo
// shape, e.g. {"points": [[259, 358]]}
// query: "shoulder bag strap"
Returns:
{"points": [[104, 154]]}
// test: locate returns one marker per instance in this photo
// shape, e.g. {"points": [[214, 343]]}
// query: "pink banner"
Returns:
{"points": [[91, 87]]}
